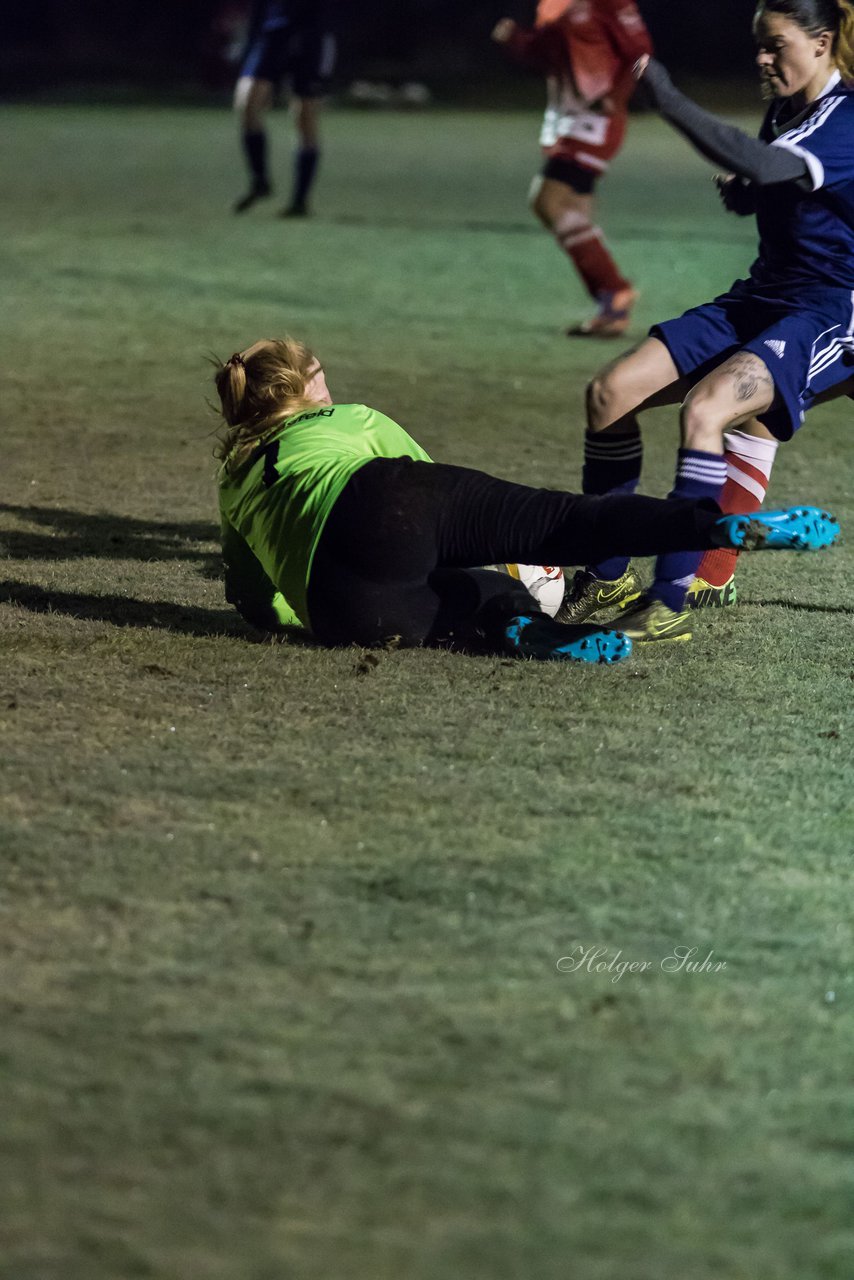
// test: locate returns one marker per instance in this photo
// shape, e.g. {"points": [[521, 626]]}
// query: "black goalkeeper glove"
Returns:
{"points": [[737, 194]]}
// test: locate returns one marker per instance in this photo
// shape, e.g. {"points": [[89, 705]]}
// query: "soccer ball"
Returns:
{"points": [[545, 583]]}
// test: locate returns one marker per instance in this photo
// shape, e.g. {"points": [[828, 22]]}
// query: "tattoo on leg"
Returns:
{"points": [[749, 375]]}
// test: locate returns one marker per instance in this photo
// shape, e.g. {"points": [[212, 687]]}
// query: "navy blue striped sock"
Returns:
{"points": [[612, 464], [698, 475]]}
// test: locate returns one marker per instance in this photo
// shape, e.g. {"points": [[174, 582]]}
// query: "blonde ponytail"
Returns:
{"points": [[231, 387], [843, 49], [258, 388]]}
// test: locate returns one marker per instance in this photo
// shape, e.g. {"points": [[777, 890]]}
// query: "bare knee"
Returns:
{"points": [[538, 201], [704, 418], [307, 121], [251, 101], [553, 202], [640, 379], [242, 97], [607, 399], [734, 393]]}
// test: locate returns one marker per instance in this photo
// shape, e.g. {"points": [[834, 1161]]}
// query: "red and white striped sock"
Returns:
{"points": [[749, 461], [585, 245]]}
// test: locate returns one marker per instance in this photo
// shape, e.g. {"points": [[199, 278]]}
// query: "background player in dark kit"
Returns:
{"points": [[288, 40]]}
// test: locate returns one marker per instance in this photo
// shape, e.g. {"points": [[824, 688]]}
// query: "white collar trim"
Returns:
{"points": [[831, 84]]}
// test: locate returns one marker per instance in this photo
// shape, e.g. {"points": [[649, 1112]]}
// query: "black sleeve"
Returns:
{"points": [[721, 143]]}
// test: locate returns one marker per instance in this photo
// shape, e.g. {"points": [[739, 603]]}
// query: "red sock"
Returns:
{"points": [[749, 461], [585, 244]]}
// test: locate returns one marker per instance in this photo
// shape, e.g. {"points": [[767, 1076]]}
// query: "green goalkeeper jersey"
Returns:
{"points": [[275, 505]]}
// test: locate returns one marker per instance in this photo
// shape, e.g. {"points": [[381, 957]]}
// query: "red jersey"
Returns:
{"points": [[587, 51]]}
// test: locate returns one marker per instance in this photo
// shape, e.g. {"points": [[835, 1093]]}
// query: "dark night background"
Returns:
{"points": [[179, 43]]}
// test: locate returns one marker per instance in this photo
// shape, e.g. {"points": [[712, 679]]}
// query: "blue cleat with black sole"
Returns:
{"points": [[796, 529], [545, 640]]}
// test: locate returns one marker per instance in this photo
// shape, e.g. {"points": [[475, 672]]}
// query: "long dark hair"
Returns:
{"points": [[815, 16]]}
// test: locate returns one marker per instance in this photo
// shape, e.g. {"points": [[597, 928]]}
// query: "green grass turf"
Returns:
{"points": [[279, 928]]}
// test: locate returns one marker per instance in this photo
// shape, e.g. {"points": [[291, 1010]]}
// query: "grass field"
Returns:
{"points": [[280, 928]]}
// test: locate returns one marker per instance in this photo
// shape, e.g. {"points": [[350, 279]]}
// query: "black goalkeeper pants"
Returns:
{"points": [[398, 559]]}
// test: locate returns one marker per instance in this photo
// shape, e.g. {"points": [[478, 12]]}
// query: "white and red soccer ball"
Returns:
{"points": [[545, 583]]}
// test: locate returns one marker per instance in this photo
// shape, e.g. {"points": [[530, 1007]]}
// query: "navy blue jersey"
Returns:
{"points": [[276, 15], [807, 231], [291, 39]]}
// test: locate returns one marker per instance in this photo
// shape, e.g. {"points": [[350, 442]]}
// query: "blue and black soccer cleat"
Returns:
{"points": [[541, 638], [797, 529]]}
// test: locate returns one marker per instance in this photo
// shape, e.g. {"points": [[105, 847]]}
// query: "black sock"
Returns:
{"points": [[612, 464], [255, 146], [305, 167]]}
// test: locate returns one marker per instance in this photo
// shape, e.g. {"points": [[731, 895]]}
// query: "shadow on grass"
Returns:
{"points": [[121, 611], [73, 535], [794, 607]]}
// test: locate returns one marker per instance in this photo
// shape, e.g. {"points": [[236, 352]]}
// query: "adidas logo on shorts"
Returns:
{"points": [[777, 345]]}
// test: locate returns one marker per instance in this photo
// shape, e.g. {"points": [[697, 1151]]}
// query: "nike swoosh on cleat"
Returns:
{"points": [[665, 631], [605, 597]]}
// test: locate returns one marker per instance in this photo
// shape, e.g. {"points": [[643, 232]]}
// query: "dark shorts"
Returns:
{"points": [[808, 350], [306, 59], [585, 151], [559, 169]]}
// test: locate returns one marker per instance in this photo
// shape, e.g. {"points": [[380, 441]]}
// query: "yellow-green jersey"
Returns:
{"points": [[274, 506]]}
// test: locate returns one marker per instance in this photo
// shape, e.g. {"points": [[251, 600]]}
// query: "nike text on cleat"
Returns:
{"points": [[540, 637], [796, 529], [589, 597], [704, 595], [650, 620]]}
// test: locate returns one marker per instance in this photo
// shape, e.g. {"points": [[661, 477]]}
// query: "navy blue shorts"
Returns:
{"points": [[808, 349], [306, 59]]}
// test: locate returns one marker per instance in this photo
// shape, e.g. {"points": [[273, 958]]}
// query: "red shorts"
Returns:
{"points": [[588, 140]]}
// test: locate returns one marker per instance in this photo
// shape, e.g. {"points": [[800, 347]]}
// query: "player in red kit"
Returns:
{"points": [[587, 49]]}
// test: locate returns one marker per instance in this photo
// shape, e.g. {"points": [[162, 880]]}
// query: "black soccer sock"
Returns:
{"points": [[306, 160], [255, 147], [612, 464]]}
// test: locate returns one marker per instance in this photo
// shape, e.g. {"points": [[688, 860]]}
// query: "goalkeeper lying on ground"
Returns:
{"points": [[335, 520]]}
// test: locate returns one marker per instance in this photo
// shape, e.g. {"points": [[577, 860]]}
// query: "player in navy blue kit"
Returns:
{"points": [[288, 39], [760, 355]]}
